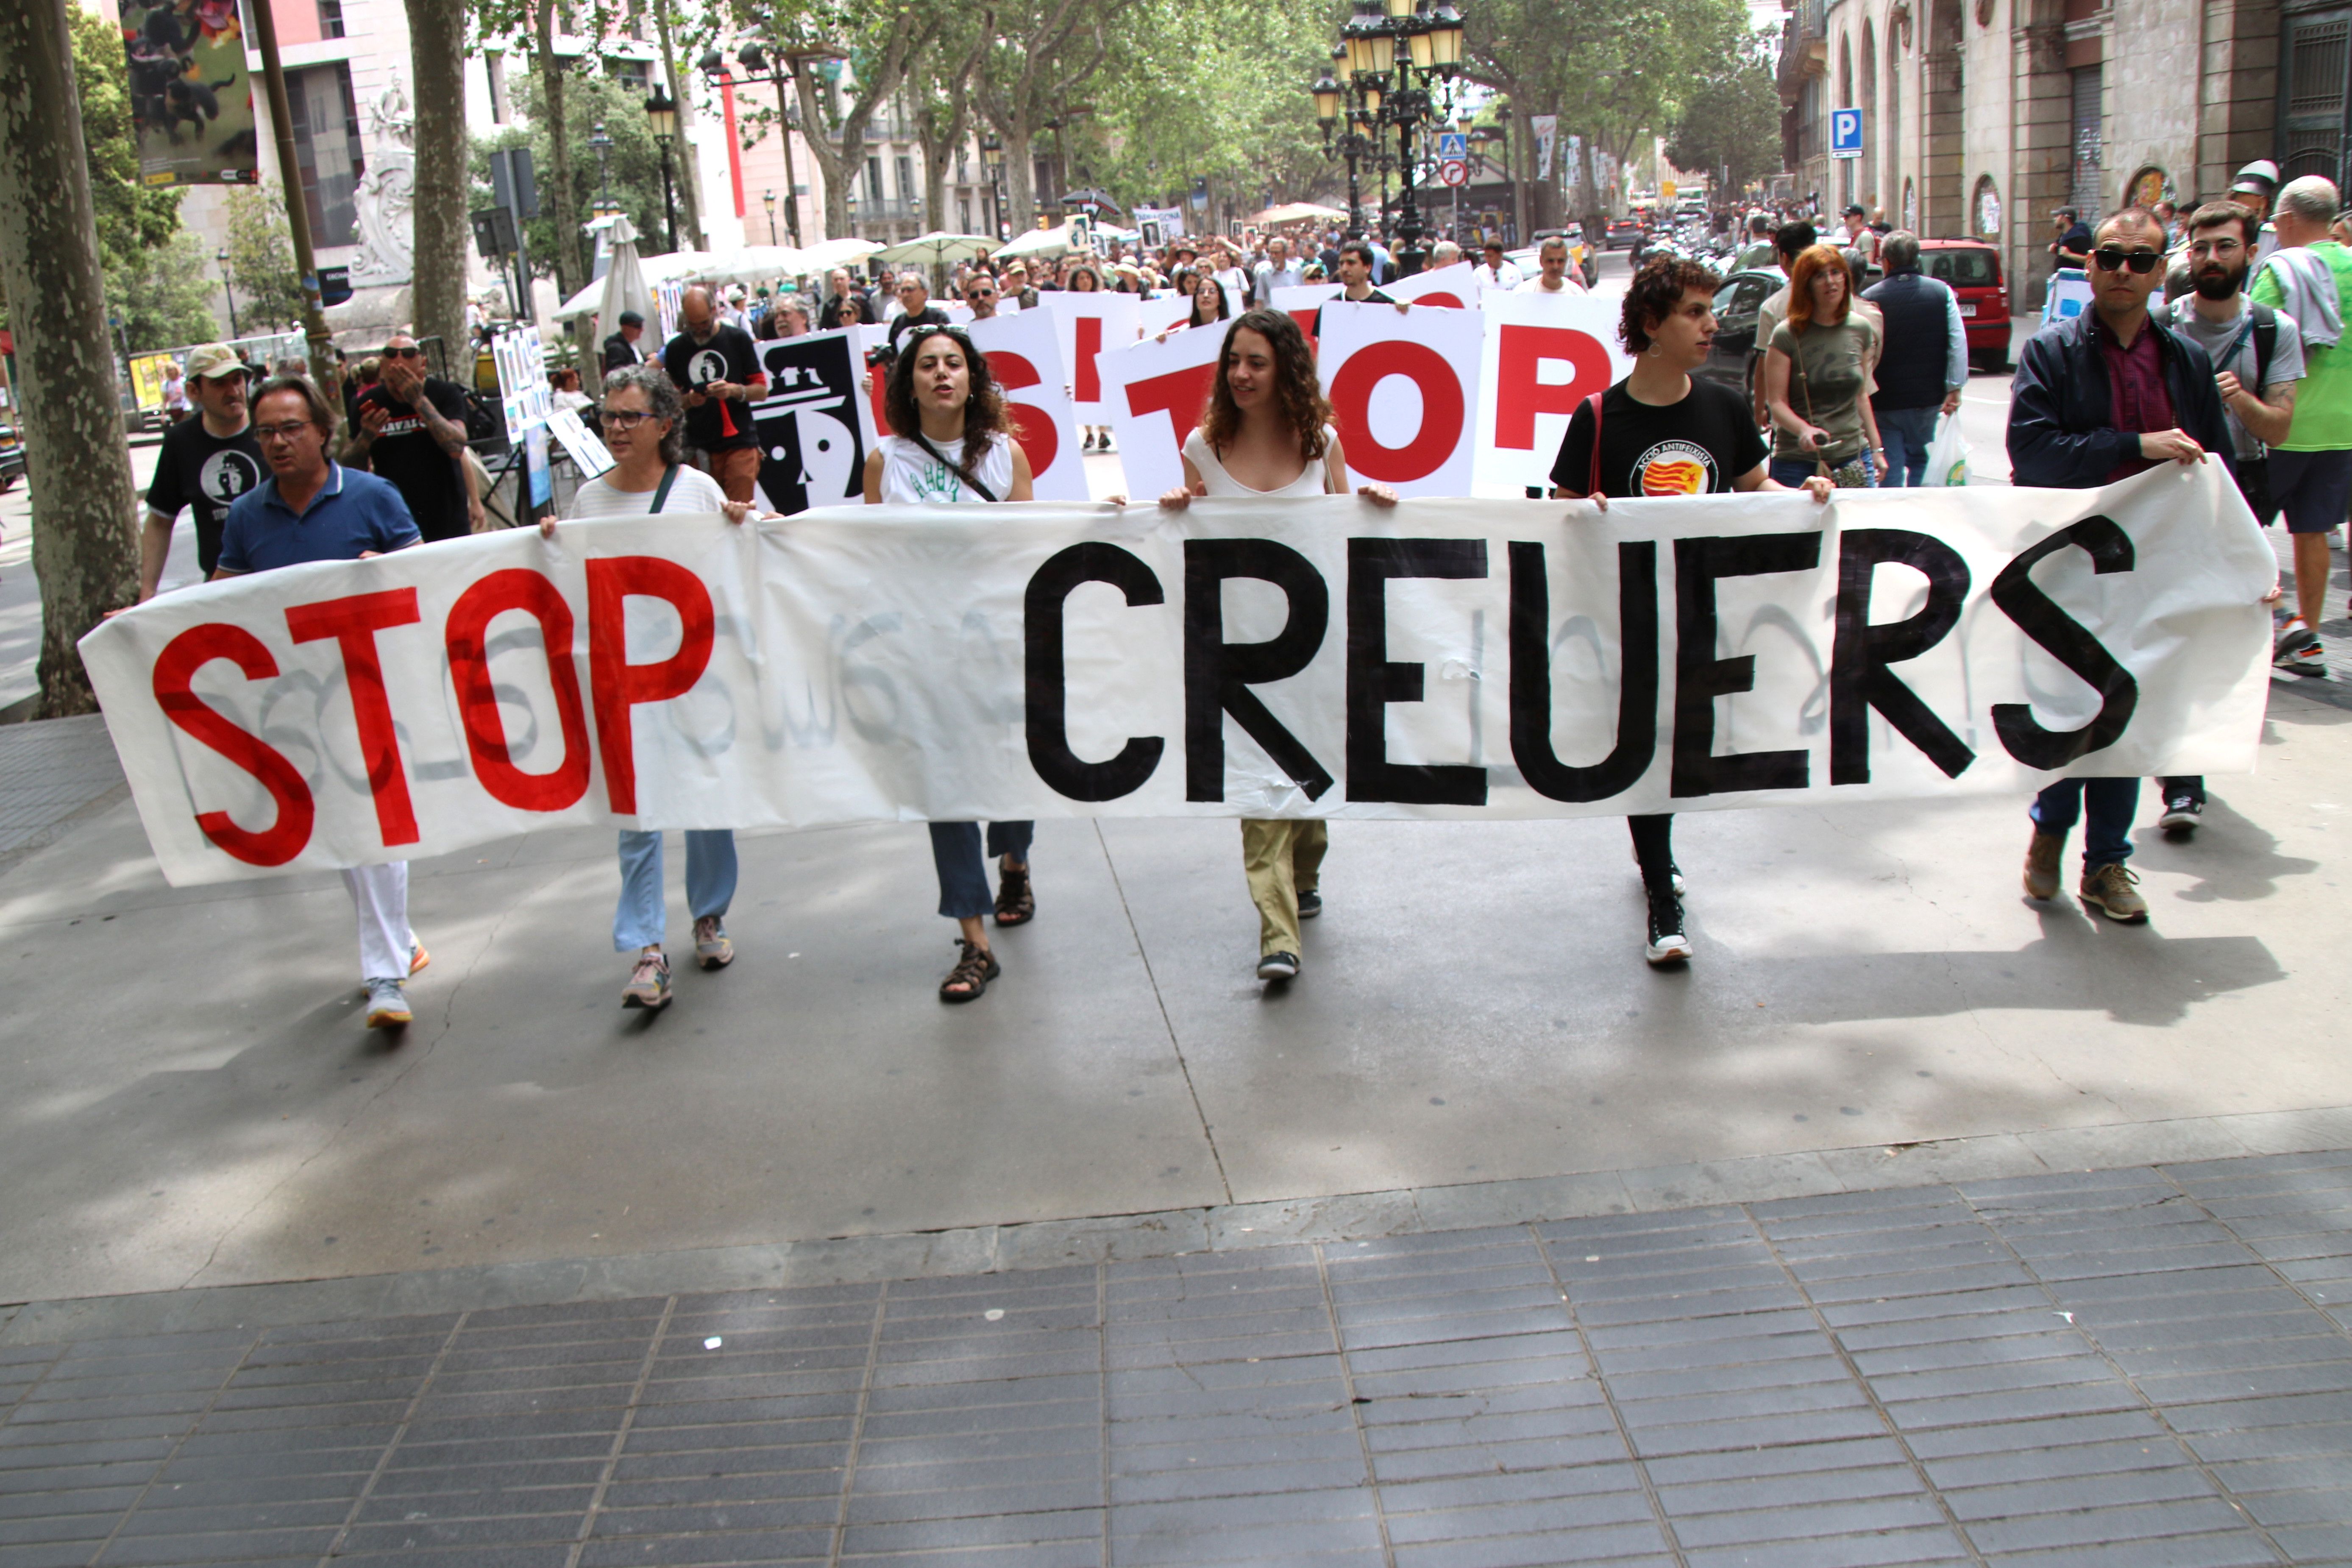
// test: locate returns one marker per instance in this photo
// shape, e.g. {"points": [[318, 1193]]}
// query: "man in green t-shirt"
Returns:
{"points": [[2309, 277]]}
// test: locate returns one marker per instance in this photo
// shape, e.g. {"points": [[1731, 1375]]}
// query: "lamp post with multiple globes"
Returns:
{"points": [[661, 110], [1402, 57]]}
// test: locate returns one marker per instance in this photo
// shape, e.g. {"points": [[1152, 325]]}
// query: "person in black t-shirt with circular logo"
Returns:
{"points": [[717, 368], [205, 464], [1659, 433]]}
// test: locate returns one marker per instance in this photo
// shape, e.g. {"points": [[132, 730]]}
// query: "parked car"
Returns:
{"points": [[12, 454], [1731, 359], [1623, 232], [1973, 270]]}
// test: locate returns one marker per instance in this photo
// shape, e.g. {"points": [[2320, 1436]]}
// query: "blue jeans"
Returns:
{"points": [[1794, 472], [1906, 433], [2113, 802], [641, 914], [963, 874]]}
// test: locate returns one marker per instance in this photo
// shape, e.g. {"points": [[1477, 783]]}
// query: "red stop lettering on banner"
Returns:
{"points": [[1031, 427], [175, 670], [517, 589], [878, 395], [1520, 396], [619, 685], [353, 623], [1305, 320], [1088, 380], [1441, 299], [1179, 394], [1442, 411]]}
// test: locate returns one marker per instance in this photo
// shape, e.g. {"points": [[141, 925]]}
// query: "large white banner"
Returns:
{"points": [[1091, 324], [1545, 354], [1318, 657]]}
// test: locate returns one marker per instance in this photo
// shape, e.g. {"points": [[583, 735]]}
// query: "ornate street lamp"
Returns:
{"points": [[661, 110], [228, 290], [991, 157], [782, 67], [1399, 54], [603, 145], [769, 198]]}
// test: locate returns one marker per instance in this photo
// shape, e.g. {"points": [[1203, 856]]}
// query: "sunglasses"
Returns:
{"points": [[2115, 259], [403, 353]]}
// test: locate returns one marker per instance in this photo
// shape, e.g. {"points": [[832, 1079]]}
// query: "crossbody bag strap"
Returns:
{"points": [[940, 457], [1592, 487], [661, 492]]}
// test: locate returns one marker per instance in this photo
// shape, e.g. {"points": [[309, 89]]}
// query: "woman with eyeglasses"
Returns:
{"points": [[952, 444], [1817, 379], [643, 426], [1266, 431]]}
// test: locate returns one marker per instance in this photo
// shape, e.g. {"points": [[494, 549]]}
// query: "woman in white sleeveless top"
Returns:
{"points": [[950, 443], [1265, 433]]}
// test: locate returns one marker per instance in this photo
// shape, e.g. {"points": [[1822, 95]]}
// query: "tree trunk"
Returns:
{"points": [[437, 42], [689, 183], [1019, 175], [79, 466], [556, 194]]}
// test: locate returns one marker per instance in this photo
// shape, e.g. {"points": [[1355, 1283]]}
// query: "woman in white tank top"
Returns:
{"points": [[950, 444], [1265, 432]]}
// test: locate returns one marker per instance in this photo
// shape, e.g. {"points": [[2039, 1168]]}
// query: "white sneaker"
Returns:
{"points": [[387, 1005]]}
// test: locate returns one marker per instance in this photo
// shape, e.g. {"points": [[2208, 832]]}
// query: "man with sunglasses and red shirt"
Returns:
{"points": [[412, 432], [2100, 397]]}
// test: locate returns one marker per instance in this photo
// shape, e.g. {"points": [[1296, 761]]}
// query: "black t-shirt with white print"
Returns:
{"points": [[1697, 446], [206, 472], [717, 425]]}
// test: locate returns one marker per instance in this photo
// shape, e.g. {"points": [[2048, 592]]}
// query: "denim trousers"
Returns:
{"points": [[1907, 433], [641, 915], [2111, 802], [963, 874]]}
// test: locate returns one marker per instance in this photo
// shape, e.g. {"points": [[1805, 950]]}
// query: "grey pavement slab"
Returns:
{"points": [[2000, 1426]]}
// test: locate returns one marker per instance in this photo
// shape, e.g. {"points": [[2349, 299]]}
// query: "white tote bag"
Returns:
{"points": [[1947, 454]]}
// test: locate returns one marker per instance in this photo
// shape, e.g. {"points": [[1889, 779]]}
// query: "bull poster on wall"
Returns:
{"points": [[191, 100], [815, 429]]}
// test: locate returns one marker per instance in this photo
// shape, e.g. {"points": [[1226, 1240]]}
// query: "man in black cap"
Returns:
{"points": [[621, 349], [2072, 248]]}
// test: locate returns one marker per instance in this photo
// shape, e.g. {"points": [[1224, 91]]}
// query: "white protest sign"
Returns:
{"points": [[1458, 658], [1091, 324], [815, 426], [1299, 301], [1545, 354], [1403, 387], [1157, 313], [1155, 393], [586, 448], [1026, 361], [1456, 285]]}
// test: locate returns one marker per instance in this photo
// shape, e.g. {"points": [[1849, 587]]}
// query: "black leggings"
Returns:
{"points": [[1654, 848]]}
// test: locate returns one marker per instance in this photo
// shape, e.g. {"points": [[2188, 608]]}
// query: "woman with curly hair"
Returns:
{"points": [[1266, 432], [950, 443], [1661, 433]]}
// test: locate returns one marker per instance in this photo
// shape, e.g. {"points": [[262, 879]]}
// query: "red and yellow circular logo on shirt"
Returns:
{"points": [[1674, 469]]}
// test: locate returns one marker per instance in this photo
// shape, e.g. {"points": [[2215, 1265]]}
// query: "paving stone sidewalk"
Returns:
{"points": [[2143, 1367]]}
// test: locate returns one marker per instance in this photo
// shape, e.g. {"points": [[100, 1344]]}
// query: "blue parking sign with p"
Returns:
{"points": [[1846, 132]]}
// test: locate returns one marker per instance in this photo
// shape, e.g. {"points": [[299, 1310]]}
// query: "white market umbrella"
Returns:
{"points": [[937, 250], [829, 254], [625, 288], [1038, 243], [755, 264], [1298, 212]]}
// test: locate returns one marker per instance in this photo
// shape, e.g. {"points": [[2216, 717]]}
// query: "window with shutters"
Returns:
{"points": [[2087, 139], [2312, 94]]}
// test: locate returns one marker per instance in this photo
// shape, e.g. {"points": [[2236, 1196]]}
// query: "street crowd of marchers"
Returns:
{"points": [[2211, 333]]}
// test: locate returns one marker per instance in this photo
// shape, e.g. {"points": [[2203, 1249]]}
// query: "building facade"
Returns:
{"points": [[1980, 117]]}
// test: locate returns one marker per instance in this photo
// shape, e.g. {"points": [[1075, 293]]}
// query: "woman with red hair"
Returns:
{"points": [[1817, 379]]}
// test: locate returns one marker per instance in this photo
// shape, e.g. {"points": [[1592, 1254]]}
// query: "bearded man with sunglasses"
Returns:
{"points": [[2109, 394]]}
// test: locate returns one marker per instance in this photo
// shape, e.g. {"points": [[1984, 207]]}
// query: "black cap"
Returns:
{"points": [[631, 319], [1852, 209]]}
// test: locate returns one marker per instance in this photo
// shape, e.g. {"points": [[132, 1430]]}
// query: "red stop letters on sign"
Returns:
{"points": [[1087, 381], [517, 589], [1035, 432], [353, 623], [1179, 394], [1442, 411], [1520, 396], [619, 685], [175, 670]]}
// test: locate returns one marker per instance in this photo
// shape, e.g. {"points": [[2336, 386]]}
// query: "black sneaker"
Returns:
{"points": [[1668, 944], [2183, 811], [1277, 966], [1310, 904]]}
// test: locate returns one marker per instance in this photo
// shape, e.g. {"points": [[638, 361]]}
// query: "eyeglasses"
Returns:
{"points": [[624, 419], [280, 432], [2115, 259], [406, 354]]}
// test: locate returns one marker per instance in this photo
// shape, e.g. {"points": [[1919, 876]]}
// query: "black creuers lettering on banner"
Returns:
{"points": [[1048, 691], [1859, 680], [1374, 680], [1218, 675], [1700, 677], [2067, 641], [1637, 684]]}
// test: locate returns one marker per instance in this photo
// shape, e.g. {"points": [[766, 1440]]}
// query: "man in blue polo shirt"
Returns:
{"points": [[312, 509]]}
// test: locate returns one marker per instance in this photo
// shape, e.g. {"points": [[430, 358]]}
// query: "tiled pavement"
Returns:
{"points": [[2147, 1366], [51, 772]]}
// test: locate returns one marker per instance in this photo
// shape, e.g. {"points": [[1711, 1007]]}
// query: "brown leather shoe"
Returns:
{"points": [[2042, 858]]}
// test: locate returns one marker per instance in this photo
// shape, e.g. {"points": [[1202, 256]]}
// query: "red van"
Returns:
{"points": [[1973, 270]]}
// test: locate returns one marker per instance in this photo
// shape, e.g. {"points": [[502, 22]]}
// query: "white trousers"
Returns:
{"points": [[380, 898]]}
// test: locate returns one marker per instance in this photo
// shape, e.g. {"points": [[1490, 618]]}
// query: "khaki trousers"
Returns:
{"points": [[1283, 859]]}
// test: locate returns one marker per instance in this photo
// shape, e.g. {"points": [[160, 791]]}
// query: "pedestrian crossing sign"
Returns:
{"points": [[1454, 145]]}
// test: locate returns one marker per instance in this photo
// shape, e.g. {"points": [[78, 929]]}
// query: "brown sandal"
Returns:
{"points": [[974, 970], [1016, 901]]}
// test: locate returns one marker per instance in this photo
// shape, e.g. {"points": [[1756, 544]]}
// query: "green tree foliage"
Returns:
{"points": [[261, 260], [1730, 119], [634, 163], [156, 277]]}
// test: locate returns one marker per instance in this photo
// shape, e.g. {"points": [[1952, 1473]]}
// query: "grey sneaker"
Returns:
{"points": [[2114, 892], [1278, 966], [387, 1005], [711, 948], [648, 985]]}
